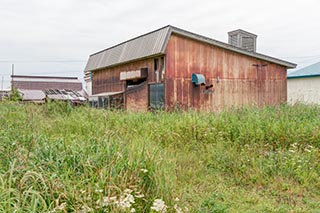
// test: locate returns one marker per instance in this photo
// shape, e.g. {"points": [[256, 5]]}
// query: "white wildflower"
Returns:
{"points": [[107, 201], [159, 206], [99, 190], [127, 191], [113, 199], [292, 151], [177, 208], [132, 210], [307, 150], [126, 201], [144, 170], [176, 199]]}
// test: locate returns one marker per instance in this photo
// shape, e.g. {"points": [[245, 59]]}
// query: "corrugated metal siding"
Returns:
{"points": [[141, 47], [240, 83]]}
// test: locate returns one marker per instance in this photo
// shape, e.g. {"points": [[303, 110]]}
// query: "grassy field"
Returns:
{"points": [[54, 158]]}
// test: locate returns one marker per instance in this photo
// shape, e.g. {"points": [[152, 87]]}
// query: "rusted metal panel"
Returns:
{"points": [[137, 99], [235, 80]]}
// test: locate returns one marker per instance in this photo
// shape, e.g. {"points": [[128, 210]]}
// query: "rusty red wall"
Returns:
{"points": [[240, 83], [108, 79]]}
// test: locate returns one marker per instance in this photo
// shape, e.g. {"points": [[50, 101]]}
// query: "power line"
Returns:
{"points": [[309, 56]]}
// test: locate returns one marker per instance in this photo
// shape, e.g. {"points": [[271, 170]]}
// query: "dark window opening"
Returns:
{"points": [[108, 102], [156, 64], [135, 82], [162, 62], [156, 96]]}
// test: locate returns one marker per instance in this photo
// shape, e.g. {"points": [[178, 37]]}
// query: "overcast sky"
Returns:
{"points": [[43, 37]]}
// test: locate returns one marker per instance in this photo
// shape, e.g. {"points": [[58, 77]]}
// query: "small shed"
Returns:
{"points": [[304, 85], [4, 94]]}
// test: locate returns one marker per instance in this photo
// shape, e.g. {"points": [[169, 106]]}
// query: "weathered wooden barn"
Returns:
{"points": [[171, 67], [304, 85]]}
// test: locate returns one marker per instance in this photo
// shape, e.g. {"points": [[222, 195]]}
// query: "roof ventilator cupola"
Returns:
{"points": [[243, 39]]}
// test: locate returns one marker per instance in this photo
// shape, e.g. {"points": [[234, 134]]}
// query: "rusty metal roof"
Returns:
{"points": [[143, 46], [154, 43]]}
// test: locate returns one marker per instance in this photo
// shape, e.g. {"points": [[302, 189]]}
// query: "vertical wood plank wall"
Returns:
{"points": [[240, 83], [108, 80]]}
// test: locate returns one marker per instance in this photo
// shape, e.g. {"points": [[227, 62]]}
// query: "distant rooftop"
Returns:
{"points": [[306, 72], [26, 82]]}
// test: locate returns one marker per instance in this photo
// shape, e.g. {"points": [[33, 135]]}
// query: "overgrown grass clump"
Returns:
{"points": [[62, 159]]}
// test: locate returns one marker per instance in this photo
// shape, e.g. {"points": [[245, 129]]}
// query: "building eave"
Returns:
{"points": [[126, 62], [303, 76]]}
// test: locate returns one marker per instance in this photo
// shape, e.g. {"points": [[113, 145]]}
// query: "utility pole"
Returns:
{"points": [[12, 73]]}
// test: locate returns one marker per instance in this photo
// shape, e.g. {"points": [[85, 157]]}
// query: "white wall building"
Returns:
{"points": [[304, 85], [88, 82]]}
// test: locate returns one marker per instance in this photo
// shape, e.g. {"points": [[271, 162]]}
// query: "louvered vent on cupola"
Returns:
{"points": [[244, 40]]}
